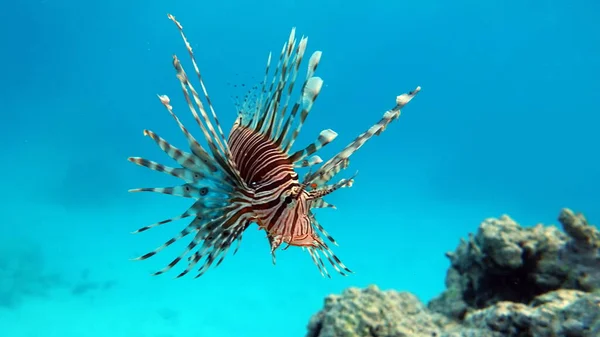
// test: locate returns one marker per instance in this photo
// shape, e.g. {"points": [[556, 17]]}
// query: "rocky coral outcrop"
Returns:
{"points": [[507, 262], [372, 312], [505, 281], [568, 313]]}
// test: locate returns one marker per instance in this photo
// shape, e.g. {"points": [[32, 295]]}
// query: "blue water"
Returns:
{"points": [[506, 123]]}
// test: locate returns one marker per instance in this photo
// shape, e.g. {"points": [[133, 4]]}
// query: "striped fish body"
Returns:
{"points": [[280, 205], [250, 177]]}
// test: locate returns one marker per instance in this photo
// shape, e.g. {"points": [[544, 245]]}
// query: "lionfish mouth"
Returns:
{"points": [[250, 177]]}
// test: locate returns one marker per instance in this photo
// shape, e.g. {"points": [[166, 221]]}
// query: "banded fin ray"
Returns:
{"points": [[301, 49], [201, 209], [322, 191], [219, 139], [195, 147], [325, 137], [222, 158], [327, 176], [216, 241], [310, 91], [189, 176], [215, 231], [266, 106], [320, 203], [221, 204], [314, 160], [376, 129], [270, 116], [291, 57]]}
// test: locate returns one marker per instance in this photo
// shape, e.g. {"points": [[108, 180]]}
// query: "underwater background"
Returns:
{"points": [[506, 123]]}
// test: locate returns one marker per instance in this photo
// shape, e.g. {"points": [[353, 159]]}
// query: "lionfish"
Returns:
{"points": [[250, 177]]}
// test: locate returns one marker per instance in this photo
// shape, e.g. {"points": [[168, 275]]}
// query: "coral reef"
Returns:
{"points": [[569, 313], [505, 281], [371, 312], [507, 262]]}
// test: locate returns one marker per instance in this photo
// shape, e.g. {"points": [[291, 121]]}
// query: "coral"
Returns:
{"points": [[505, 281], [376, 313], [371, 312], [571, 313], [507, 262]]}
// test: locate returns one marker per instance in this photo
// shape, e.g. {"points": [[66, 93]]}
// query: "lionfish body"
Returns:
{"points": [[250, 177]]}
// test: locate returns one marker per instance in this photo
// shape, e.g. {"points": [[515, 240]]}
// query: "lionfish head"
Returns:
{"points": [[295, 214]]}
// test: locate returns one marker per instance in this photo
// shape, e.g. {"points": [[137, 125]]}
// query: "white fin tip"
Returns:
{"points": [[403, 99]]}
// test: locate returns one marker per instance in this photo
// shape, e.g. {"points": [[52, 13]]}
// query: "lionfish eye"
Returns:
{"points": [[287, 200]]}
